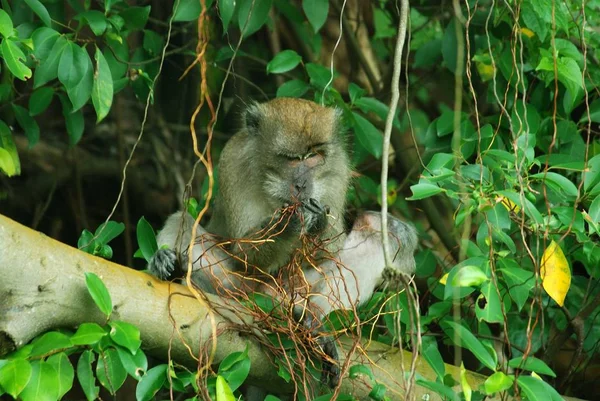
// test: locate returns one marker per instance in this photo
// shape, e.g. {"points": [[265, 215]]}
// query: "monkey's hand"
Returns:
{"points": [[315, 216], [163, 264]]}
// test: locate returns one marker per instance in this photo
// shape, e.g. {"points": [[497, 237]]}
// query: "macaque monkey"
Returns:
{"points": [[282, 189]]}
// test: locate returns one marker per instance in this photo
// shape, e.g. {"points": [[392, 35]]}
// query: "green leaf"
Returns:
{"points": [[433, 357], [49, 342], [533, 388], [73, 120], [488, 306], [99, 293], [126, 335], [14, 376], [29, 125], [40, 10], [467, 340], [424, 190], [378, 392], [226, 10], [48, 69], [443, 390], [146, 239], [252, 15], [135, 364], [498, 382], [135, 17], [15, 59], [9, 157], [316, 11], [469, 276], [40, 100], [429, 54], [88, 334], [224, 392], [530, 209], [153, 42], [109, 370], [356, 371], [85, 375], [319, 75], [368, 135], [293, 88], [560, 184], [71, 69], [7, 164], [102, 89], [284, 61], [188, 10], [6, 24], [108, 231], [235, 368], [151, 382], [593, 175], [43, 41], [532, 364], [42, 385], [65, 372], [96, 20]]}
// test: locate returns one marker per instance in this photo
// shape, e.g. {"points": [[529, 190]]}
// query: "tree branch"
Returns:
{"points": [[43, 288]]}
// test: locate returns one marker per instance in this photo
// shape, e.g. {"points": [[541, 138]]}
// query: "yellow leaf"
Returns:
{"points": [[533, 374], [486, 71], [556, 275], [444, 278], [527, 32], [464, 383], [510, 205]]}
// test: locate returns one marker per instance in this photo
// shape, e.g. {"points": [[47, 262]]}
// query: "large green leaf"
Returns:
{"points": [[64, 370], [6, 24], [40, 10], [110, 371], [85, 375], [14, 376], [102, 89], [48, 68], [126, 335], [99, 293], [284, 61], [252, 15], [368, 135], [28, 123], [9, 157], [150, 383], [15, 59], [42, 385], [466, 339], [316, 11]]}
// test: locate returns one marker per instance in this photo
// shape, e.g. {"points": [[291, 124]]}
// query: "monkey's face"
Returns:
{"points": [[298, 149]]}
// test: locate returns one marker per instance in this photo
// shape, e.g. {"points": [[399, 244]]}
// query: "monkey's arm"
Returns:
{"points": [[351, 278], [212, 268]]}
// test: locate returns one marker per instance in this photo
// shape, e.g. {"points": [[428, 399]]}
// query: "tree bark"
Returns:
{"points": [[42, 287]]}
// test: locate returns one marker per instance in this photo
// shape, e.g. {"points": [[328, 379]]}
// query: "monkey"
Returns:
{"points": [[283, 179], [290, 152], [344, 281]]}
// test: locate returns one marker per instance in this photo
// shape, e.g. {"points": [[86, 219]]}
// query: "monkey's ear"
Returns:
{"points": [[252, 118]]}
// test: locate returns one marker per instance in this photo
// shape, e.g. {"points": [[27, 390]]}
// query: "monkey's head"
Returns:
{"points": [[298, 146]]}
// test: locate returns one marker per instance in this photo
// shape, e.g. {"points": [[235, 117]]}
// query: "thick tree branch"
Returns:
{"points": [[43, 288]]}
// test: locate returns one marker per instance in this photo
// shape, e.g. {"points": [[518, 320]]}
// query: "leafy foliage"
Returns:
{"points": [[508, 179]]}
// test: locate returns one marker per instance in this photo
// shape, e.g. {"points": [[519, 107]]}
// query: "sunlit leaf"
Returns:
{"points": [[555, 273]]}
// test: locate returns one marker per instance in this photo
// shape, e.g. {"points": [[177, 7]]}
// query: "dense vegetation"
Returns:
{"points": [[105, 106]]}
